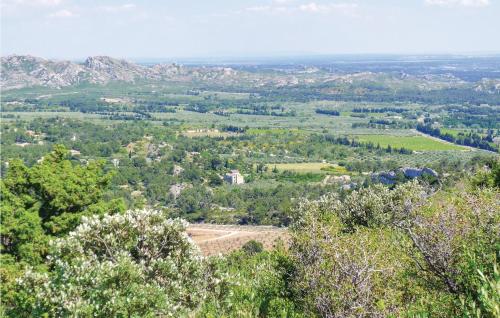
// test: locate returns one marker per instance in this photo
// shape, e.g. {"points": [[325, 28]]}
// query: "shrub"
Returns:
{"points": [[135, 264], [488, 177], [345, 273], [455, 247], [252, 247], [372, 207], [244, 285]]}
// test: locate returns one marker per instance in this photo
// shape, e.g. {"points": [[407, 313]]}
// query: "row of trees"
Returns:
{"points": [[471, 139], [328, 112], [379, 110], [384, 123], [368, 145]]}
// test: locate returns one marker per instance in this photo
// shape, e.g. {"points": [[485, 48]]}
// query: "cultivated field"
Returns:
{"points": [[215, 239], [207, 133], [300, 167], [307, 167], [417, 143]]}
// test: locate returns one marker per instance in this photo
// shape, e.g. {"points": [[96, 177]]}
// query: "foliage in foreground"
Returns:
{"points": [[381, 253], [42, 202], [251, 285], [136, 264], [373, 253]]}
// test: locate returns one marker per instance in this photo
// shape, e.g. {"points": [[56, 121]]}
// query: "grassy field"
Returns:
{"points": [[456, 131], [417, 143], [208, 133], [314, 167], [453, 132]]}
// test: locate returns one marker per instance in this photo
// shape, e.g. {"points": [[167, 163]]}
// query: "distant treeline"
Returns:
{"points": [[136, 115], [327, 112], [438, 96], [384, 123], [471, 115], [368, 145], [379, 110], [485, 121], [231, 128], [266, 112], [465, 139], [221, 113]]}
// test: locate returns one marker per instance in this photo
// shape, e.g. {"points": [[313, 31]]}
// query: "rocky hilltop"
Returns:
{"points": [[18, 71]]}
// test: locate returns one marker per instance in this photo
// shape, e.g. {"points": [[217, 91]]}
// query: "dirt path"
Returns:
{"points": [[222, 239]]}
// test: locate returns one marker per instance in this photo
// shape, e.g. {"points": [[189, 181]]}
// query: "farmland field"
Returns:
{"points": [[305, 167], [416, 143], [207, 133]]}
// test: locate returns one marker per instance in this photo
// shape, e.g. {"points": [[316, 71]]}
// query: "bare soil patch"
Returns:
{"points": [[222, 239]]}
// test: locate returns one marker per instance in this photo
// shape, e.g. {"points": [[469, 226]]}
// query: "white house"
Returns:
{"points": [[234, 177]]}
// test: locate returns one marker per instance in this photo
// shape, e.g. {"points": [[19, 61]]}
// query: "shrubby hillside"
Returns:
{"points": [[69, 250]]}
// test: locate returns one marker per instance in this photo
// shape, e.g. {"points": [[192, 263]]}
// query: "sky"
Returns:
{"points": [[73, 29]]}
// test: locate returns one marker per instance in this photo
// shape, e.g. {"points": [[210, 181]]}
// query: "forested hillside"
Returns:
{"points": [[68, 248]]}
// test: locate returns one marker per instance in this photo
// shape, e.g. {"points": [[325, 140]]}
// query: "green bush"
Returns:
{"points": [[136, 264], [251, 286], [252, 247]]}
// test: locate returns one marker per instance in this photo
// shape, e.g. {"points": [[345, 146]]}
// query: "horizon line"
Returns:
{"points": [[269, 56]]}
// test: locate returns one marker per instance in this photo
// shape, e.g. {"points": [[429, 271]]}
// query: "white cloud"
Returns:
{"points": [[118, 8], [343, 8], [273, 9], [311, 7], [46, 3], [458, 3], [62, 14], [259, 8], [12, 5], [128, 6]]}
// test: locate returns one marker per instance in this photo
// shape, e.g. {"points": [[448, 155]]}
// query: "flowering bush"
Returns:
{"points": [[134, 264]]}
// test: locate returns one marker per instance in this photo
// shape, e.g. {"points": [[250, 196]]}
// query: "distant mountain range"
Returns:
{"points": [[18, 71]]}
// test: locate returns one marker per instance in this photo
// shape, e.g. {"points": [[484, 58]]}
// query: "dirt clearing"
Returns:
{"points": [[222, 239]]}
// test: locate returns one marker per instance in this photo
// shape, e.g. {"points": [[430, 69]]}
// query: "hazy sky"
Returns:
{"points": [[188, 28]]}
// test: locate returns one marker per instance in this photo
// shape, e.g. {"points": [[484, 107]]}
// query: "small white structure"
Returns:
{"points": [[116, 162], [234, 177]]}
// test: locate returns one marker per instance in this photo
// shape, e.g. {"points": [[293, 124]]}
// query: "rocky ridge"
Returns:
{"points": [[18, 71]]}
